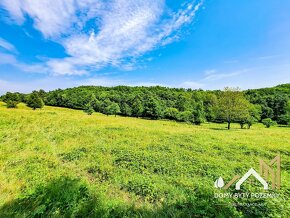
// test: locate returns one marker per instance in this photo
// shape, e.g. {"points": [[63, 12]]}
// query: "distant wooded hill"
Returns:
{"points": [[157, 102]]}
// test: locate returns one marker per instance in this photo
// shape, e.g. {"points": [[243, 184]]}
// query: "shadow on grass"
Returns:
{"points": [[284, 126], [215, 128], [67, 197]]}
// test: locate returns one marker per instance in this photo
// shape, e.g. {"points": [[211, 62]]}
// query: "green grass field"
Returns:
{"points": [[63, 163]]}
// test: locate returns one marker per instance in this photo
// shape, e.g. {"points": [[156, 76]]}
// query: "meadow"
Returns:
{"points": [[58, 162]]}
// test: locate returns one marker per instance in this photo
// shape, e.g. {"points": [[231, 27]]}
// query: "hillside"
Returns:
{"points": [[184, 105], [62, 162]]}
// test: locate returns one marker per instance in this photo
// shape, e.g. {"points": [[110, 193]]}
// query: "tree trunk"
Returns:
{"points": [[229, 124]]}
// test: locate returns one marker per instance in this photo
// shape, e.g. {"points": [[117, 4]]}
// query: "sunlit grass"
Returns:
{"points": [[129, 161]]}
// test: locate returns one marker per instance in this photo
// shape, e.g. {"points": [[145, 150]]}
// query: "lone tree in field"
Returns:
{"points": [[232, 106], [34, 101]]}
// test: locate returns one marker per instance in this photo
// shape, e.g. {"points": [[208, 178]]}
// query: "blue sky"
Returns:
{"points": [[206, 44]]}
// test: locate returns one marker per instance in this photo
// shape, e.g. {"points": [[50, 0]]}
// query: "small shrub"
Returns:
{"points": [[89, 109], [249, 121], [268, 122], [11, 104]]}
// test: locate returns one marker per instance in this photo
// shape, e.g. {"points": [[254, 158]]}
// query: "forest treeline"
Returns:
{"points": [[195, 106]]}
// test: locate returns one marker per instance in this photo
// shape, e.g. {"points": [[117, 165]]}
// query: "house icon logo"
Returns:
{"points": [[264, 170], [247, 175]]}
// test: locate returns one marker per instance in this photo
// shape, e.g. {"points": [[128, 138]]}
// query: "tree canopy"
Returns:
{"points": [[185, 105]]}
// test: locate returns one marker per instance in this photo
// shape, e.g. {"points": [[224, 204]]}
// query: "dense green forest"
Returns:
{"points": [[187, 105]]}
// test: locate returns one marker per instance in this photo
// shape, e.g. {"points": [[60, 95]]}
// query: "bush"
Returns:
{"points": [[34, 101], [89, 109], [11, 104], [185, 116], [112, 109], [171, 113], [11, 97], [268, 122], [284, 119], [249, 121]]}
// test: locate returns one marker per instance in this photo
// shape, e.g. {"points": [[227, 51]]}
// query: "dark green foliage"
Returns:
{"points": [[268, 122], [183, 102], [11, 99], [126, 109], [284, 119], [171, 113], [92, 103], [185, 116], [158, 102], [34, 101], [252, 117], [112, 109], [273, 101], [137, 108], [11, 104], [41, 93], [152, 108], [89, 109], [199, 114], [209, 103]]}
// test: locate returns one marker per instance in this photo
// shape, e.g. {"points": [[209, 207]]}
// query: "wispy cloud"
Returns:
{"points": [[96, 34], [191, 85], [210, 72], [215, 75], [7, 46], [233, 61], [267, 57], [8, 59]]}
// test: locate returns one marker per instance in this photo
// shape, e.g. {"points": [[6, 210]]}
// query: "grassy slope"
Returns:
{"points": [[156, 166]]}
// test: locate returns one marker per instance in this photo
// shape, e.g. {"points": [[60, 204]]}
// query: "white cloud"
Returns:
{"points": [[148, 84], [191, 85], [268, 57], [64, 67], [8, 59], [96, 34], [214, 75], [6, 45], [210, 72], [51, 17], [102, 81], [28, 86]]}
